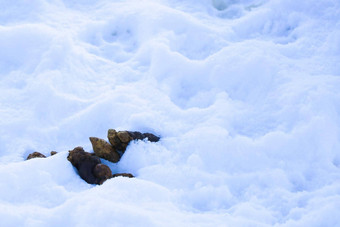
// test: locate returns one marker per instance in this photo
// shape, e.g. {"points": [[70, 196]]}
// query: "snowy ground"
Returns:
{"points": [[244, 93]]}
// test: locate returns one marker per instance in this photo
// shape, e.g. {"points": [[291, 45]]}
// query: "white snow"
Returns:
{"points": [[244, 94]]}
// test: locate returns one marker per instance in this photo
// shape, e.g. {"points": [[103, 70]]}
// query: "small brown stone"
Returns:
{"points": [[35, 155], [53, 153], [129, 175], [112, 136], [104, 150], [116, 142], [124, 137], [102, 172]]}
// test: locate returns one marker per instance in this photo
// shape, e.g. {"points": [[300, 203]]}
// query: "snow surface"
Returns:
{"points": [[244, 93]]}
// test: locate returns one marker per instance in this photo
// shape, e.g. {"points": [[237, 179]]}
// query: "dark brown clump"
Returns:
{"points": [[35, 155], [129, 175], [86, 164], [140, 136], [53, 153]]}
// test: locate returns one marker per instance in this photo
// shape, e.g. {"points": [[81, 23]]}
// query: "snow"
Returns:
{"points": [[244, 94]]}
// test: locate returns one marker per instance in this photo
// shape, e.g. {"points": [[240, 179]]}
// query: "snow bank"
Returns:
{"points": [[243, 93]]}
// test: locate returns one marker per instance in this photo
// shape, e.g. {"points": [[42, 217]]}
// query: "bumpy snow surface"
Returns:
{"points": [[245, 95]]}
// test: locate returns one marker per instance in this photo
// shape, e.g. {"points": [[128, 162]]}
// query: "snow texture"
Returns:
{"points": [[244, 94]]}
